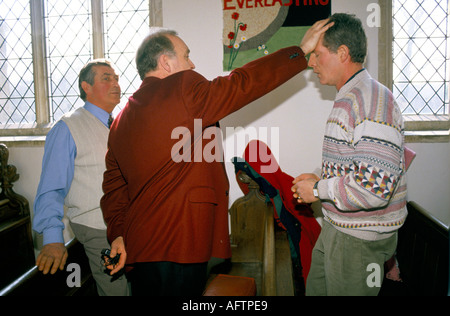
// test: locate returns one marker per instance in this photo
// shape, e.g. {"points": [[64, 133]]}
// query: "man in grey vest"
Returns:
{"points": [[72, 175]]}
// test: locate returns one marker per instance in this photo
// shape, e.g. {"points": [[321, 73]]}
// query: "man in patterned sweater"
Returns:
{"points": [[362, 187]]}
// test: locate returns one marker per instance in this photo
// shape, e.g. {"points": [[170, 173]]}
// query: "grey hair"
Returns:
{"points": [[88, 73], [157, 43]]}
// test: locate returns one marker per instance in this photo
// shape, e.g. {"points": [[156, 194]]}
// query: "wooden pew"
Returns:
{"points": [[16, 243], [423, 256], [259, 249], [19, 275], [34, 283], [423, 253]]}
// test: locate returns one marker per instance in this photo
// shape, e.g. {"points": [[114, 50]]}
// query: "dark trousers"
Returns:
{"points": [[168, 279]]}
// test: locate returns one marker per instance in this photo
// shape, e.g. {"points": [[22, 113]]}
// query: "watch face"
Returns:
{"points": [[316, 189]]}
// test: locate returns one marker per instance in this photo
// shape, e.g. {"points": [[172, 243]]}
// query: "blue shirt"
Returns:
{"points": [[58, 167]]}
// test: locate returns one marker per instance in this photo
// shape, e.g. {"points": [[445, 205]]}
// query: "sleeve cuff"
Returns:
{"points": [[53, 236], [323, 190]]}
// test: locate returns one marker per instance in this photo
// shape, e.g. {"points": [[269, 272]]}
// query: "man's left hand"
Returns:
{"points": [[303, 190]]}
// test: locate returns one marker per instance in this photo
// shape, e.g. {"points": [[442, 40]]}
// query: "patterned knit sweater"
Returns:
{"points": [[363, 190]]}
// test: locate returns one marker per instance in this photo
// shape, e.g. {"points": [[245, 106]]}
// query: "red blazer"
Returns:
{"points": [[169, 211]]}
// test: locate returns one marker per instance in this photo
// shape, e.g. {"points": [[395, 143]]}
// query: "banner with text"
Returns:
{"points": [[254, 28]]}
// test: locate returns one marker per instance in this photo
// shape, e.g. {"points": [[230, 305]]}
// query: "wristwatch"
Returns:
{"points": [[316, 190]]}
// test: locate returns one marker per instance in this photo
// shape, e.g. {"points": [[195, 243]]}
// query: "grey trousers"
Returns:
{"points": [[343, 265], [93, 241]]}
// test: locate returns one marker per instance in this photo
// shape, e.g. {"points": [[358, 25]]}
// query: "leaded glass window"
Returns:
{"points": [[17, 105], [126, 24], [69, 48], [71, 36], [421, 67]]}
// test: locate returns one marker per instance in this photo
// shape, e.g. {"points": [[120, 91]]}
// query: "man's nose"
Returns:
{"points": [[191, 64]]}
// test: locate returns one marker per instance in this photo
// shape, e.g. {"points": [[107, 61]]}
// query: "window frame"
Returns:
{"points": [[418, 128], [35, 133]]}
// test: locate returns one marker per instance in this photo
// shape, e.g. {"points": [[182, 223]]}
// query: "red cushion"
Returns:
{"points": [[228, 285]]}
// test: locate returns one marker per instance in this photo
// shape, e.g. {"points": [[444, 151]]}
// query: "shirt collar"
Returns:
{"points": [[357, 77], [99, 113], [357, 73]]}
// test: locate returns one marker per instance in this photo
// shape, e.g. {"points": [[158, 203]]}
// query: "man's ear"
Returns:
{"points": [[164, 63], [86, 87], [344, 53]]}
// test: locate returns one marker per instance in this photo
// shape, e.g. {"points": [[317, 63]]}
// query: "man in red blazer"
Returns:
{"points": [[166, 216]]}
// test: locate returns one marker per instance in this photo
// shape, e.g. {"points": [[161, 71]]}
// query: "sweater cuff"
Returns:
{"points": [[323, 189]]}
